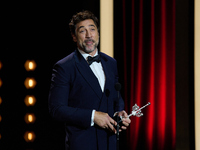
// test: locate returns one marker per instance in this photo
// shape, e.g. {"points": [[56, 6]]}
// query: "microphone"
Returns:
{"points": [[117, 86]]}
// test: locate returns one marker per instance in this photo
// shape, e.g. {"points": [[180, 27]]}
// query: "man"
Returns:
{"points": [[83, 93]]}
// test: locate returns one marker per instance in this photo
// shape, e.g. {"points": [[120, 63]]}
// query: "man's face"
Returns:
{"points": [[87, 36]]}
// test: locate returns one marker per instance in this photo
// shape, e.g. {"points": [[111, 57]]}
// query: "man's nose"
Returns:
{"points": [[88, 34]]}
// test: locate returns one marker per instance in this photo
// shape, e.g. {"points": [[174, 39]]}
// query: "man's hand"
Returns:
{"points": [[103, 120], [125, 119]]}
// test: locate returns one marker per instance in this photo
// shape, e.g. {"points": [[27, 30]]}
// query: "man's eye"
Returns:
{"points": [[81, 31]]}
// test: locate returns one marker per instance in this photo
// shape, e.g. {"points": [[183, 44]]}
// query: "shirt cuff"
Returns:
{"points": [[92, 118], [115, 114]]}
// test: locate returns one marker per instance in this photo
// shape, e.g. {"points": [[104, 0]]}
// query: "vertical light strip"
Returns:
{"points": [[197, 72], [106, 27]]}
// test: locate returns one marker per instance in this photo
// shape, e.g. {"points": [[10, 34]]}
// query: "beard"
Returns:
{"points": [[88, 48]]}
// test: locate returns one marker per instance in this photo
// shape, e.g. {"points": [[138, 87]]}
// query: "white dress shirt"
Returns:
{"points": [[97, 69]]}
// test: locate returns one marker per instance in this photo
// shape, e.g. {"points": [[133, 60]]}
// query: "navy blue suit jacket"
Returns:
{"points": [[75, 92]]}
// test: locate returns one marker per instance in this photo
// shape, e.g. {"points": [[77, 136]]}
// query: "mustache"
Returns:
{"points": [[89, 40]]}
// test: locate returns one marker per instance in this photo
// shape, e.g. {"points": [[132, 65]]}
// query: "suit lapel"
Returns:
{"points": [[87, 73], [105, 102], [106, 71]]}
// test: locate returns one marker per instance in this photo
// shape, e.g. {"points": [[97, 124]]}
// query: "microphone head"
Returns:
{"points": [[117, 86]]}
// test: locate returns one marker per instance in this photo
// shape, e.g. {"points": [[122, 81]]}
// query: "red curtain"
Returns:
{"points": [[149, 72]]}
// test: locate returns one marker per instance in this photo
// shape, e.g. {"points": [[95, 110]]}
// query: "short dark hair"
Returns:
{"points": [[81, 16]]}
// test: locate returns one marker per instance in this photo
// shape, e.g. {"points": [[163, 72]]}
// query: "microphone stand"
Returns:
{"points": [[117, 88], [118, 132], [136, 111]]}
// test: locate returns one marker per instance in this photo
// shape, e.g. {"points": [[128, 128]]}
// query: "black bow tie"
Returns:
{"points": [[92, 59]]}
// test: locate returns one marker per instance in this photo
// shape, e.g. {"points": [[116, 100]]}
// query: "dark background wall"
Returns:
{"points": [[39, 30], [185, 75], [35, 30]]}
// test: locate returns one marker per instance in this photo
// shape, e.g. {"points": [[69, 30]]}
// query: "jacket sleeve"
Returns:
{"points": [[58, 100]]}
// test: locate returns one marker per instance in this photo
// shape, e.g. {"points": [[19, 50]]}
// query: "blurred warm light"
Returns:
{"points": [[0, 100], [30, 83], [1, 65], [106, 24], [0, 118], [29, 118], [30, 65], [1, 82], [29, 136], [30, 100], [0, 136]]}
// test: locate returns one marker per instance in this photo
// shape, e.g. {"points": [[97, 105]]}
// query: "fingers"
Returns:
{"points": [[112, 128], [111, 125], [125, 121], [123, 114], [103, 120]]}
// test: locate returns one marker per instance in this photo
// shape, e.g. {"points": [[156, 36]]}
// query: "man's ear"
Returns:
{"points": [[74, 37]]}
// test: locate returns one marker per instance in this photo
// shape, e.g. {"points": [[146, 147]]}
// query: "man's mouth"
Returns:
{"points": [[89, 42]]}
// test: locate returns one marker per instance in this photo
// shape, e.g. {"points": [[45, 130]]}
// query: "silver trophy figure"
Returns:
{"points": [[136, 111]]}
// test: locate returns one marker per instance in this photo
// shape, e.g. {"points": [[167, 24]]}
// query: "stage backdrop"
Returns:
{"points": [[145, 50]]}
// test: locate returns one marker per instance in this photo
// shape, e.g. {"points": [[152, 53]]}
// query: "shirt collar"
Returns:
{"points": [[85, 55]]}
